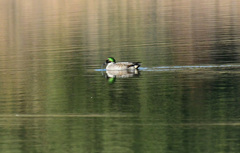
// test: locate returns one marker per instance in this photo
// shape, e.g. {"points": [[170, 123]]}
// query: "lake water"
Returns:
{"points": [[54, 96]]}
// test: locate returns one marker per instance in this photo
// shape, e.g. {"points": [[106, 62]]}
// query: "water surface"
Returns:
{"points": [[54, 96]]}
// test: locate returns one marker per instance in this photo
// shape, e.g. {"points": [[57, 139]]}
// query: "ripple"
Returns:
{"points": [[192, 67], [100, 69], [171, 68]]}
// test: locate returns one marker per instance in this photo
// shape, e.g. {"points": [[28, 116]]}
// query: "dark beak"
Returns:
{"points": [[106, 62]]}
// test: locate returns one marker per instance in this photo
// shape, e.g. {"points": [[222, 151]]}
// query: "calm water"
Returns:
{"points": [[54, 96]]}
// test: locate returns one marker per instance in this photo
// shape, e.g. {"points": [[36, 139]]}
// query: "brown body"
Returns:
{"points": [[113, 65], [122, 66]]}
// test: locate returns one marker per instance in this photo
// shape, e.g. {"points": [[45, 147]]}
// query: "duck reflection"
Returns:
{"points": [[112, 75]]}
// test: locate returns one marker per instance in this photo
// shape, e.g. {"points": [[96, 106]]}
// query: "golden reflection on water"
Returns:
{"points": [[188, 29]]}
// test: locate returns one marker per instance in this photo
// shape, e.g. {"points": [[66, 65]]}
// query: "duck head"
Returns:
{"points": [[110, 60]]}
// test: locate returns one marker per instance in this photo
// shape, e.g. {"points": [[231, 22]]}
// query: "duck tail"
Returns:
{"points": [[135, 65]]}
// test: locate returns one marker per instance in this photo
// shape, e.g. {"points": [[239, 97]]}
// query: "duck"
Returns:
{"points": [[113, 65]]}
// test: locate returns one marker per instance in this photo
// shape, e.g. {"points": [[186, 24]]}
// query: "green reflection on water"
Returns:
{"points": [[114, 134]]}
